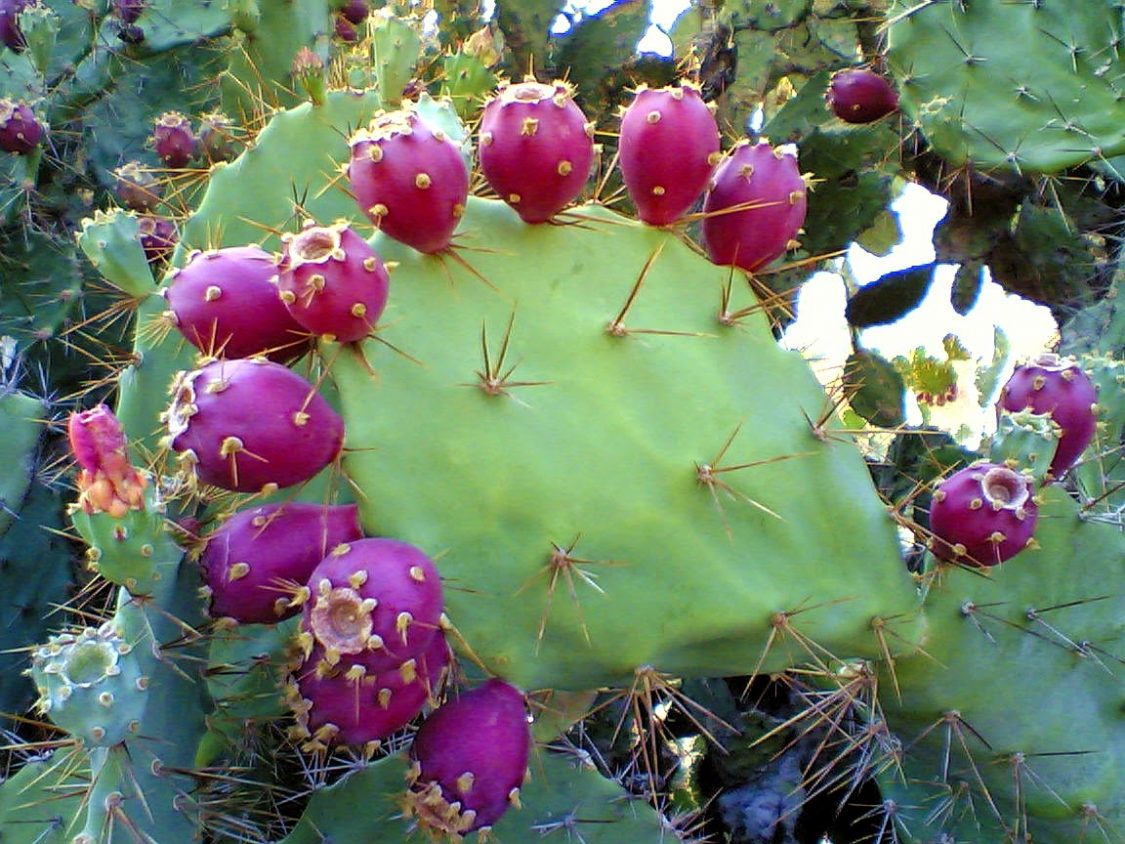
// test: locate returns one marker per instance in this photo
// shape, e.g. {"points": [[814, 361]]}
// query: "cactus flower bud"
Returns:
{"points": [[107, 481]]}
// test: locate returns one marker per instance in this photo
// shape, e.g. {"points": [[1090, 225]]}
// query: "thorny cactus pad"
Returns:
{"points": [[859, 95], [374, 602], [1057, 387], [983, 515], [536, 148], [248, 425], [226, 303], [409, 179], [669, 147], [332, 282], [755, 207], [258, 560], [470, 759]]}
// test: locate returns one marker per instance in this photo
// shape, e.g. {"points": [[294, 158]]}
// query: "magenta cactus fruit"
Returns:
{"points": [[20, 130], [259, 559], [137, 188], [755, 207], [469, 760], [982, 515], [345, 31], [217, 138], [536, 148], [375, 602], [225, 302], [1058, 387], [158, 237], [248, 425], [173, 139], [355, 12], [332, 282], [409, 179], [668, 148], [345, 704], [859, 95], [10, 32], [129, 10]]}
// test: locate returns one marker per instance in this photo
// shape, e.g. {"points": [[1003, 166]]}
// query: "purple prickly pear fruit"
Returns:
{"points": [[137, 188], [469, 760], [10, 32], [755, 206], [333, 283], [129, 33], [129, 10], [355, 12], [217, 141], [668, 148], [245, 425], [346, 704], [375, 601], [982, 515], [20, 131], [173, 139], [158, 237], [255, 564], [858, 95], [409, 179], [346, 31], [536, 148], [1058, 387], [225, 302]]}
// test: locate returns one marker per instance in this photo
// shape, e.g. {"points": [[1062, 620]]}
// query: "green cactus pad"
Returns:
{"points": [[38, 805], [1025, 85], [1028, 439], [1012, 725], [19, 420], [111, 240], [581, 468]]}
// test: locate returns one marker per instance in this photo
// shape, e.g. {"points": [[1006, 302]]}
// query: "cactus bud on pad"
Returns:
{"points": [[242, 425], [982, 515], [470, 758]]}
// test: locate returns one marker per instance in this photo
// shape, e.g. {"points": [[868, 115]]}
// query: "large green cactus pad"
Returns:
{"points": [[586, 448], [1035, 86], [1012, 725]]}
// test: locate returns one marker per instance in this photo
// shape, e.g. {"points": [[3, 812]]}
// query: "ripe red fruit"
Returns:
{"points": [[332, 282], [243, 425], [755, 207], [858, 95], [668, 149], [470, 758], [409, 179], [158, 236], [1060, 388], [173, 139], [982, 515], [536, 148], [20, 130]]}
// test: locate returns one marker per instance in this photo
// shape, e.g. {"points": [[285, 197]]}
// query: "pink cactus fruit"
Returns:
{"points": [[469, 760], [1056, 386], [355, 12], [218, 140], [137, 188], [20, 130], [859, 95], [107, 480], [345, 31], [332, 282], [374, 602], [251, 425], [260, 558], [225, 302], [668, 149], [10, 33], [173, 139], [536, 148], [409, 179], [982, 515], [755, 207], [158, 237], [346, 704]]}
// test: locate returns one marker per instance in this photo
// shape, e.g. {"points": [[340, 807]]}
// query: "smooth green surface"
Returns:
{"points": [[20, 416], [39, 803]]}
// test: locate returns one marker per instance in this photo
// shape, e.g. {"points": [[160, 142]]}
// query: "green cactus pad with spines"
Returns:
{"points": [[592, 448], [395, 47], [1101, 473], [1028, 440], [466, 81], [39, 804], [111, 240], [19, 420], [168, 24], [1018, 694], [40, 288], [92, 683], [1025, 85], [562, 800]]}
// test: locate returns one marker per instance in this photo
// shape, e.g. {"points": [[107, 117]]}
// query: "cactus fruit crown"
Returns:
{"points": [[315, 244]]}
